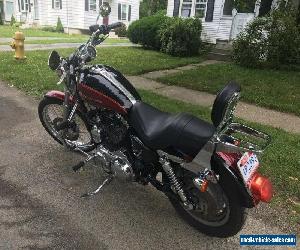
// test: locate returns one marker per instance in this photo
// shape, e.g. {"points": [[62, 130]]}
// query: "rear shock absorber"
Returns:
{"points": [[175, 183]]}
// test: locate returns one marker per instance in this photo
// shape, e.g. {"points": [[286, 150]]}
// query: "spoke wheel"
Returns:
{"points": [[51, 115], [217, 212]]}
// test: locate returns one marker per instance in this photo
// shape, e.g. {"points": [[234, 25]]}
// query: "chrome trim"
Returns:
{"points": [[202, 160], [176, 185], [228, 116], [108, 76]]}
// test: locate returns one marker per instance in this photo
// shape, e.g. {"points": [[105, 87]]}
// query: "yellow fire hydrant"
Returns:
{"points": [[18, 45]]}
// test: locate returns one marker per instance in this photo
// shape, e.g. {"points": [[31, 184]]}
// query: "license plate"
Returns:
{"points": [[247, 166]]}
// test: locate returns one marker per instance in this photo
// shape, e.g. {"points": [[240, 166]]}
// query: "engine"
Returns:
{"points": [[112, 128]]}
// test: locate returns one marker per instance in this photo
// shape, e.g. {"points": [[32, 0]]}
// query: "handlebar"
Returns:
{"points": [[105, 29]]}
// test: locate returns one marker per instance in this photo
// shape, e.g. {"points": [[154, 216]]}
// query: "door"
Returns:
{"points": [[239, 23], [9, 10]]}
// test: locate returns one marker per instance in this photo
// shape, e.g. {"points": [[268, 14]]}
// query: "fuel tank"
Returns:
{"points": [[104, 86]]}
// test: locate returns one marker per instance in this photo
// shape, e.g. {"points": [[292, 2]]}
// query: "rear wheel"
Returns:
{"points": [[51, 115], [223, 220]]}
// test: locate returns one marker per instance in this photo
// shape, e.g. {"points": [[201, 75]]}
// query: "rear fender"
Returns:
{"points": [[229, 179]]}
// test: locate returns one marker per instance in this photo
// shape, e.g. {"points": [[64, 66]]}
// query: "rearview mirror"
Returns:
{"points": [[54, 60]]}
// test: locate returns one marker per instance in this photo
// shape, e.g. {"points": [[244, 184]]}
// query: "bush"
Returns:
{"points": [[249, 48], [181, 37], [49, 28], [146, 31], [59, 26], [121, 31], [12, 21], [272, 41]]}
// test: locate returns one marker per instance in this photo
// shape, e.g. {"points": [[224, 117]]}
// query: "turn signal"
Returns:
{"points": [[204, 186], [261, 188], [201, 184]]}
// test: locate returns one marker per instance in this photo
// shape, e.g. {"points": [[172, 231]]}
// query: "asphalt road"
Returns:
{"points": [[41, 208]]}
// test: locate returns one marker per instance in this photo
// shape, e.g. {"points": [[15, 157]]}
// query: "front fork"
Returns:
{"points": [[68, 114]]}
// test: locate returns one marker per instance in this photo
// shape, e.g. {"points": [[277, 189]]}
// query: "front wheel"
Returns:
{"points": [[211, 221], [51, 112]]}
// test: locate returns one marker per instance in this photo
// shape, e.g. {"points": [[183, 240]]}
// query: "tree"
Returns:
{"points": [[59, 26], [151, 7]]}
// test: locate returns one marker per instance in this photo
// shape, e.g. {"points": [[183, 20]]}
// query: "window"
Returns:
{"points": [[200, 8], [265, 7], [124, 12], [93, 5], [186, 8], [228, 7], [24, 5], [56, 4]]}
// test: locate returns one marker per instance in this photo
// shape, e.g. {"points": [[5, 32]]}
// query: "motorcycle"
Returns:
{"points": [[209, 171]]}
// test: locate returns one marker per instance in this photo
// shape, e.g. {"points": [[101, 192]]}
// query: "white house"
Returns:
{"points": [[74, 14], [220, 21]]}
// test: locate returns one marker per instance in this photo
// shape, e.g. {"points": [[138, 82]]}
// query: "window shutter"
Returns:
{"points": [[129, 12], [29, 6], [52, 4], [19, 5], [176, 7], [119, 11], [60, 4], [86, 5], [100, 3], [210, 11]]}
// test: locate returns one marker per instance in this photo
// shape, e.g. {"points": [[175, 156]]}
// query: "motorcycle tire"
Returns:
{"points": [[235, 222], [54, 101]]}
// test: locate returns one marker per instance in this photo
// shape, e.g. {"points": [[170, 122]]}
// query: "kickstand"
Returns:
{"points": [[105, 182]]}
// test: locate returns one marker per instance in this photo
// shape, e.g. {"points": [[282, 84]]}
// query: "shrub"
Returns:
{"points": [[181, 37], [49, 28], [12, 21], [244, 6], [272, 41], [121, 31], [59, 26], [146, 31], [283, 40], [249, 48]]}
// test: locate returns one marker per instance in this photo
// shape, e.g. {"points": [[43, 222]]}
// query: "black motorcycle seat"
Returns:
{"points": [[161, 130]]}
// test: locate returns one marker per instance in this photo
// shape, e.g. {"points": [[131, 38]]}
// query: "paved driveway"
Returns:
{"points": [[40, 205]]}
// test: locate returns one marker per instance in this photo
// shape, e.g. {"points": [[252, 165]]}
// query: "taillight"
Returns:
{"points": [[261, 188]]}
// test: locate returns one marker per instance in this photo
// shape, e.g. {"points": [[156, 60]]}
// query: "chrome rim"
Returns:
{"points": [[53, 113], [206, 212]]}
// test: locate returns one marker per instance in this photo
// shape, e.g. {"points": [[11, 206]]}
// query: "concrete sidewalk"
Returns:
{"points": [[248, 112], [30, 47], [31, 38]]}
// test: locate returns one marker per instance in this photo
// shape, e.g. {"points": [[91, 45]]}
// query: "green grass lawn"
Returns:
{"points": [[279, 90], [34, 76], [9, 31]]}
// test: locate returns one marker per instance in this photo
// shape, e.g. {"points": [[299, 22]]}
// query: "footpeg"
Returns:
{"points": [[82, 163], [106, 182]]}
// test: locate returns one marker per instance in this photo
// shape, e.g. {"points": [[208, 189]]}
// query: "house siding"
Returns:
{"points": [[73, 14], [219, 28]]}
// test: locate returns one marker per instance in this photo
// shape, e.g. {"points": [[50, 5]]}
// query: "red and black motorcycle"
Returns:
{"points": [[207, 170]]}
